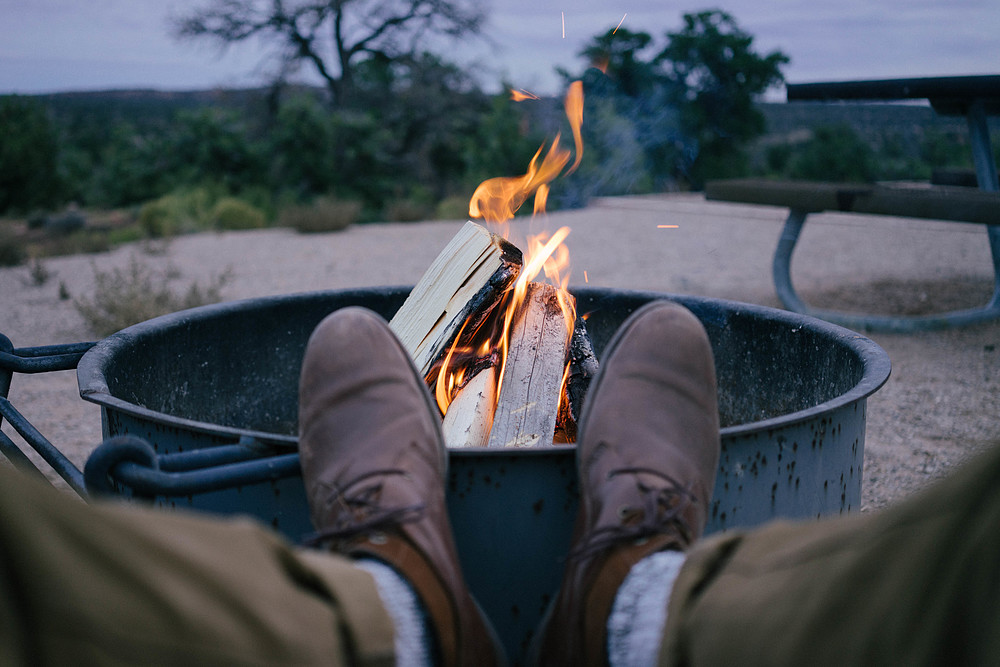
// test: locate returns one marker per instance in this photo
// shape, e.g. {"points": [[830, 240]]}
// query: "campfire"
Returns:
{"points": [[503, 351]]}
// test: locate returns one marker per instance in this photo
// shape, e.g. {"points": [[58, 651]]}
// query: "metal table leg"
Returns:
{"points": [[790, 299], [986, 175]]}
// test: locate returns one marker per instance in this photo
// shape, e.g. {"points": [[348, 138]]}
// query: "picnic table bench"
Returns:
{"points": [[948, 203], [975, 97]]}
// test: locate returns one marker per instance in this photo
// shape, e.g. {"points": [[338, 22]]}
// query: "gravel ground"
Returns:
{"points": [[941, 405]]}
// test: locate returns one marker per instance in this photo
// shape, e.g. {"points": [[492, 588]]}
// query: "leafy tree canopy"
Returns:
{"points": [[28, 155]]}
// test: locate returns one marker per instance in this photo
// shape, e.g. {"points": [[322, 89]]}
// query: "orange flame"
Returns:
{"points": [[522, 95], [574, 112], [497, 200], [540, 251]]}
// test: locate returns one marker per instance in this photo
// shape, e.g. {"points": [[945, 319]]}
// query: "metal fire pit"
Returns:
{"points": [[200, 410], [213, 391]]}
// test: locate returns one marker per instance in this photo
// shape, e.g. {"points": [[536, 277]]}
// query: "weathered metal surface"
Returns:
{"points": [[792, 393]]}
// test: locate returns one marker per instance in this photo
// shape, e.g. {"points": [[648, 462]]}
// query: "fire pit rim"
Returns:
{"points": [[94, 388]]}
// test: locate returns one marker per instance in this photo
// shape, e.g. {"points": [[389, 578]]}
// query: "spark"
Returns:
{"points": [[619, 24], [563, 14], [521, 95], [668, 226], [585, 278]]}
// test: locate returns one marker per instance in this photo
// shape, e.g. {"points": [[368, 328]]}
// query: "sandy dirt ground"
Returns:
{"points": [[940, 406]]}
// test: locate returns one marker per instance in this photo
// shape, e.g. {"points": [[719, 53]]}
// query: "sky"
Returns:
{"points": [[69, 45]]}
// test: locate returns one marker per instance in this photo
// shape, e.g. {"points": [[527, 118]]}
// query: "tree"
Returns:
{"points": [[714, 76], [834, 153], [28, 156], [616, 53], [333, 37]]}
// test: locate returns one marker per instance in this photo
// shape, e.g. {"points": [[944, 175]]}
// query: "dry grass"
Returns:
{"points": [[123, 297]]}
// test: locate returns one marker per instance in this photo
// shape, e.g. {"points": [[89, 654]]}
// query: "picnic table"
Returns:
{"points": [[976, 98]]}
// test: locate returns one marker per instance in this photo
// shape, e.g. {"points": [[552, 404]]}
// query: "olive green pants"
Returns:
{"points": [[109, 584], [915, 584], [918, 583]]}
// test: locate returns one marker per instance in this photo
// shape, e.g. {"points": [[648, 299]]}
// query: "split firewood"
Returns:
{"points": [[529, 393], [466, 279], [470, 414]]}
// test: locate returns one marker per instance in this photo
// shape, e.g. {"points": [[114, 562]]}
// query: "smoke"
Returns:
{"points": [[632, 144]]}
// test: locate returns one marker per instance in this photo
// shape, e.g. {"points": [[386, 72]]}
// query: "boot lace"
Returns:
{"points": [[360, 512], [660, 511]]}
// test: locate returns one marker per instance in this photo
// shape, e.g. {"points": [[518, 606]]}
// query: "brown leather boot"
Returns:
{"points": [[373, 462], [647, 453]]}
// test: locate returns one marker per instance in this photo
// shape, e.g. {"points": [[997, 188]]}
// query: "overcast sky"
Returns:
{"points": [[60, 45]]}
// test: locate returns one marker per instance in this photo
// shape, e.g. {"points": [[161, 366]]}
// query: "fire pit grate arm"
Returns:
{"points": [[43, 359], [60, 464]]}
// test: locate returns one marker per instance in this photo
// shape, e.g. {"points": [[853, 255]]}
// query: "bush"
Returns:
{"points": [[324, 215], [231, 213], [122, 235], [67, 222], [406, 210], [84, 241], [834, 153], [28, 155], [179, 212], [455, 207], [12, 252], [125, 297], [157, 219]]}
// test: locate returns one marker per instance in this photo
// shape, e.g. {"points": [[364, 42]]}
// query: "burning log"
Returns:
{"points": [[470, 415], [528, 399], [583, 366], [463, 282]]}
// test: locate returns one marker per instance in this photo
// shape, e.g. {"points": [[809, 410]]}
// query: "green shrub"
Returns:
{"points": [[84, 241], [407, 210], [455, 207], [12, 251], [123, 297], [179, 212], [324, 215], [158, 219], [37, 220], [67, 222], [232, 213], [121, 235], [834, 153]]}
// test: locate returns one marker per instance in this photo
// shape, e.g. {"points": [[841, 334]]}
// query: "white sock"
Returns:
{"points": [[639, 613], [412, 641]]}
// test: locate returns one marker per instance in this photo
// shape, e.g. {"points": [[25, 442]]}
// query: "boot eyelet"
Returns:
{"points": [[624, 511]]}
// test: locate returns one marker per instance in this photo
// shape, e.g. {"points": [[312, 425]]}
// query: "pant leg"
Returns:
{"points": [[112, 584], [915, 584]]}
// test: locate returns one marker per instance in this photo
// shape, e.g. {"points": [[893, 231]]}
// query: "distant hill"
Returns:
{"points": [[143, 108], [783, 119], [870, 120]]}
